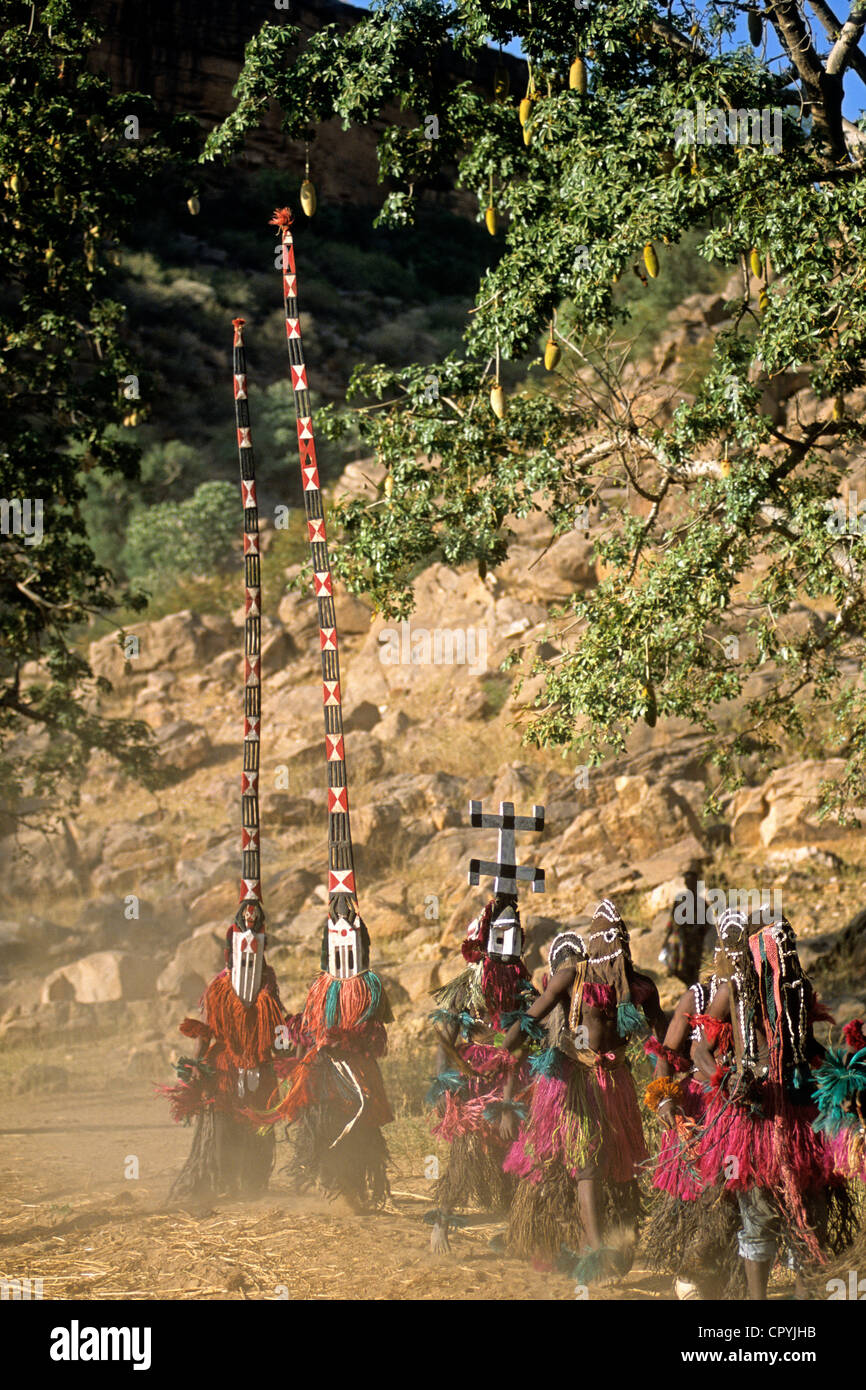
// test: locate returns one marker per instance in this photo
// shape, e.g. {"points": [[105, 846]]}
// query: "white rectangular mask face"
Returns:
{"points": [[248, 950], [503, 940], [343, 950]]}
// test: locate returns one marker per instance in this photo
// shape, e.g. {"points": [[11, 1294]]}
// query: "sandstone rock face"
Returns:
{"points": [[216, 903], [671, 864], [31, 939], [353, 614], [640, 816], [418, 979], [183, 745], [361, 717], [103, 977], [193, 964], [181, 640], [278, 648], [297, 611], [792, 796], [216, 868], [288, 891], [748, 809], [663, 897], [392, 726], [448, 644], [783, 811], [120, 871]]}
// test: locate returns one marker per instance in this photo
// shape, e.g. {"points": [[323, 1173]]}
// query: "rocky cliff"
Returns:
{"points": [[118, 921], [188, 58]]}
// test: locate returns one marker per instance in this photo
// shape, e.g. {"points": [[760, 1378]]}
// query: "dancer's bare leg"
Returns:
{"points": [[587, 1200]]}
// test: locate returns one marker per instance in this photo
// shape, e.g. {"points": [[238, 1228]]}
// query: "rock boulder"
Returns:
{"points": [[103, 977]]}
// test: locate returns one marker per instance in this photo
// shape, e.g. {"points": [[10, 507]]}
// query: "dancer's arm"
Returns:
{"points": [[558, 987], [653, 1011], [676, 1033], [449, 1032], [674, 1041], [703, 1055]]}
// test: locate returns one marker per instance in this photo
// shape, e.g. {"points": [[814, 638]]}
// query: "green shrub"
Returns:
{"points": [[195, 537]]}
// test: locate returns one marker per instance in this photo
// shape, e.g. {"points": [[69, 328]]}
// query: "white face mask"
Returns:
{"points": [[248, 954], [345, 950], [504, 935]]}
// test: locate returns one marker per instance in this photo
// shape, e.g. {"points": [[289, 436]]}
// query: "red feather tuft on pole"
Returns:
{"points": [[282, 218]]}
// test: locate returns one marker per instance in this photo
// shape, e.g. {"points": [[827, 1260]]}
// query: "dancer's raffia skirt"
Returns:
{"points": [[848, 1149], [227, 1158], [776, 1149], [691, 1229], [474, 1175], [832, 1280], [583, 1122], [334, 1121], [696, 1240]]}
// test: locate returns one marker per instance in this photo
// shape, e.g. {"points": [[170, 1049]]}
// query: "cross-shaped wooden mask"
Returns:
{"points": [[505, 871]]}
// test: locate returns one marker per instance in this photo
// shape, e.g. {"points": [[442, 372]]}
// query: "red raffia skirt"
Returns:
{"points": [[586, 1118], [848, 1150], [776, 1150], [348, 1084], [676, 1172], [464, 1113]]}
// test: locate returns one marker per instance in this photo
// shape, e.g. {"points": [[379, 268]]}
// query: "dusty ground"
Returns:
{"points": [[70, 1216]]}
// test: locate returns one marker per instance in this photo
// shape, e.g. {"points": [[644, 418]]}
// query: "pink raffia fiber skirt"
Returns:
{"points": [[586, 1118], [676, 1171], [464, 1114]]}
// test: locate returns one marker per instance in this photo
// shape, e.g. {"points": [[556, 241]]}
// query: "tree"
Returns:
{"points": [[640, 125], [74, 163], [193, 537]]}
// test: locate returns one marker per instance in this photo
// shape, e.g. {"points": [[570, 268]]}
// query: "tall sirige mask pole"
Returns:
{"points": [[345, 950], [248, 937]]}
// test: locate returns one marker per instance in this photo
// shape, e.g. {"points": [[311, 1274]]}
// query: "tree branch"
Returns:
{"points": [[833, 29], [823, 89], [842, 52]]}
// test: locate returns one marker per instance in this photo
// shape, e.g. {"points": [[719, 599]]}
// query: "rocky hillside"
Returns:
{"points": [[116, 923]]}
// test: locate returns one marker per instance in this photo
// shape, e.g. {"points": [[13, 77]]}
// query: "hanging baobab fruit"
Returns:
{"points": [[577, 76]]}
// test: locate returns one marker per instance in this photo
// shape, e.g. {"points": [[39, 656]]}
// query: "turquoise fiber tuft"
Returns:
{"points": [[629, 1019], [332, 1005]]}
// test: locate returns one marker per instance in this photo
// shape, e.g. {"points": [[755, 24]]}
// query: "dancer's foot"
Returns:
{"points": [[686, 1291], [440, 1221], [602, 1265], [439, 1243]]}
